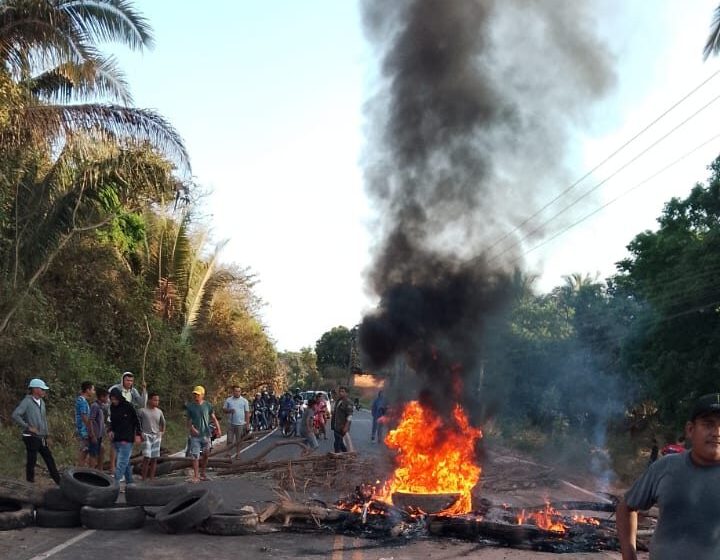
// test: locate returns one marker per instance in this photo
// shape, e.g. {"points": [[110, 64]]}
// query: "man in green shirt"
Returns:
{"points": [[200, 416]]}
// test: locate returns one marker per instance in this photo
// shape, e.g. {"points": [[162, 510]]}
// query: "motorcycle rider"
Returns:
{"points": [[258, 412], [284, 407], [273, 408]]}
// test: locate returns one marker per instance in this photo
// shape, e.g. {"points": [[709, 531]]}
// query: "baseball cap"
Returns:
{"points": [[199, 389], [37, 384], [706, 404]]}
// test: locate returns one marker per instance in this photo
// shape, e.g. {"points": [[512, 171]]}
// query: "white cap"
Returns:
{"points": [[37, 384]]}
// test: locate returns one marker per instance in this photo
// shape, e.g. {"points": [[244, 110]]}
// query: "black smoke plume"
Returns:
{"points": [[468, 128]]}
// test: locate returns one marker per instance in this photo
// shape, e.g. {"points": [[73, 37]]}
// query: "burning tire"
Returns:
{"points": [[154, 493], [57, 519], [14, 514], [188, 511], [89, 487], [116, 518], [230, 524]]}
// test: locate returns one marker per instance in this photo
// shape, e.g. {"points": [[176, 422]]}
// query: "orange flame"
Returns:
{"points": [[434, 458], [548, 519], [586, 520]]}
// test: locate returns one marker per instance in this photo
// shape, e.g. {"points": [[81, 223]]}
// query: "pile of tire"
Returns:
{"points": [[89, 497]]}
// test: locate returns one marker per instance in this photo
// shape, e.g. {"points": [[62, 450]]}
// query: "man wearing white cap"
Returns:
{"points": [[31, 416]]}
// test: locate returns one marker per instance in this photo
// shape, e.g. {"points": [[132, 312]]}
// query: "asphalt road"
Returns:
{"points": [[150, 543]]}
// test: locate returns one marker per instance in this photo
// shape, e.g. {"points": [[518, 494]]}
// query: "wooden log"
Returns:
{"points": [[469, 527], [287, 511]]}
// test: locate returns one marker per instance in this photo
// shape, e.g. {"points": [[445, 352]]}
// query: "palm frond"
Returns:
{"points": [[197, 293], [92, 79], [109, 21], [34, 31], [103, 122], [712, 46]]}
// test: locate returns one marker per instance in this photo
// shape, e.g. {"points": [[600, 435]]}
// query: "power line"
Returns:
{"points": [[601, 183], [608, 158], [623, 194]]}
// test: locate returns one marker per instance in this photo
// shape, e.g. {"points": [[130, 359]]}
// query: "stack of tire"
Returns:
{"points": [[89, 497]]}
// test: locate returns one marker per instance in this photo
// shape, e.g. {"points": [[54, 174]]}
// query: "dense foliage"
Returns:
{"points": [[103, 266]]}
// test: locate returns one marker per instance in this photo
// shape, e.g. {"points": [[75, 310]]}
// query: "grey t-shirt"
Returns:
{"points": [[151, 420], [239, 407], [689, 500]]}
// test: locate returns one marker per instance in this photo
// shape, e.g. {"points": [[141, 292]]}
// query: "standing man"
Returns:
{"points": [[686, 487], [129, 392], [124, 431], [199, 417], [152, 422], [131, 395], [239, 410], [378, 407], [97, 421], [83, 427], [307, 424], [341, 418], [31, 416]]}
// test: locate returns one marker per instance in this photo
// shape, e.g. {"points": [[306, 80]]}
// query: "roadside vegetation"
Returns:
{"points": [[105, 262]]}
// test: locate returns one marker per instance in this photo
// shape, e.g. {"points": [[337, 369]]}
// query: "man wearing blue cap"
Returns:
{"points": [[31, 416], [686, 488]]}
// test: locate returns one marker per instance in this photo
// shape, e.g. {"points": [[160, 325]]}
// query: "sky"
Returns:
{"points": [[269, 97]]}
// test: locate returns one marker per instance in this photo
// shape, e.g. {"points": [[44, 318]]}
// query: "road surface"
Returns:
{"points": [[150, 543]]}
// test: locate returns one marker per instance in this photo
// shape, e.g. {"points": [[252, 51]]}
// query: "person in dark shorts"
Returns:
{"points": [[200, 416], [82, 421], [686, 487], [97, 421]]}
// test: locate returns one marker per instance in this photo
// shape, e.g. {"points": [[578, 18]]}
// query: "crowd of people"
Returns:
{"points": [[120, 417]]}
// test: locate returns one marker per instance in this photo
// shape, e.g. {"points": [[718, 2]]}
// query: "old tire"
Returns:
{"points": [[158, 493], [89, 487], [14, 514], [56, 500], [116, 518], [230, 524], [188, 511], [26, 492], [57, 519]]}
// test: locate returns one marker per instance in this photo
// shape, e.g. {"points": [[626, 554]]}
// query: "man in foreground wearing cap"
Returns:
{"points": [[686, 487], [200, 416], [31, 416]]}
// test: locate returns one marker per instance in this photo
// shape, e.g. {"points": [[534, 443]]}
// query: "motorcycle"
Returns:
{"points": [[273, 414], [259, 419], [290, 425]]}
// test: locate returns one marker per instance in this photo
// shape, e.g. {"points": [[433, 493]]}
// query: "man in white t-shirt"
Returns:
{"points": [[239, 410]]}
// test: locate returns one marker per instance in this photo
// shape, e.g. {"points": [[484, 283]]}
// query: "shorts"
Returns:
{"points": [[151, 445], [236, 433], [83, 443], [199, 445], [94, 449]]}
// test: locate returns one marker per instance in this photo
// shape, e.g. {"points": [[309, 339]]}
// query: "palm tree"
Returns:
{"points": [[86, 186], [49, 50], [712, 46]]}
